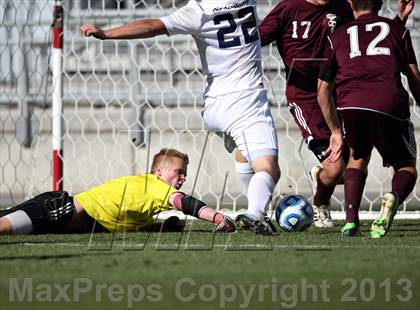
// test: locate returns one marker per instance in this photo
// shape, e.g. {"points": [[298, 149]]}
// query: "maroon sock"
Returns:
{"points": [[323, 193], [354, 184], [403, 183]]}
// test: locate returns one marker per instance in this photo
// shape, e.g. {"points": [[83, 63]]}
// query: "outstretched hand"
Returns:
{"points": [[405, 7], [225, 226], [92, 30], [335, 149]]}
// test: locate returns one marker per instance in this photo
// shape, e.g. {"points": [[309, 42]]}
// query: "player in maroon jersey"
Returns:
{"points": [[300, 29], [365, 59]]}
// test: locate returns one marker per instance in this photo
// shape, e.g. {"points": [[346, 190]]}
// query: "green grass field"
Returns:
{"points": [[196, 269]]}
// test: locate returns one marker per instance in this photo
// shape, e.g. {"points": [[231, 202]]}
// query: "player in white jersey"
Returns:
{"points": [[235, 101]]}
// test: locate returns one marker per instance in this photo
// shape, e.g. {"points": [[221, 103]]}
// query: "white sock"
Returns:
{"points": [[260, 192], [245, 173], [20, 221]]}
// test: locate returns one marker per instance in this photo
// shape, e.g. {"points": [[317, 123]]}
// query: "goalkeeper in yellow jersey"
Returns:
{"points": [[123, 204]]}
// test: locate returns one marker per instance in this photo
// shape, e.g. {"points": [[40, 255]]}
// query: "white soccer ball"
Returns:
{"points": [[294, 213]]}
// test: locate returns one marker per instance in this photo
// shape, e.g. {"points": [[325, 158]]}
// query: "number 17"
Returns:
{"points": [[303, 24]]}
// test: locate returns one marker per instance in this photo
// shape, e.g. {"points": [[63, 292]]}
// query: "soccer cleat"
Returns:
{"points": [[270, 223], [263, 228], [250, 222], [322, 216], [245, 221], [350, 230], [382, 224], [225, 226]]}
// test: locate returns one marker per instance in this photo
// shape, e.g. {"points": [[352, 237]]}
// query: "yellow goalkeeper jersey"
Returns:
{"points": [[127, 203]]}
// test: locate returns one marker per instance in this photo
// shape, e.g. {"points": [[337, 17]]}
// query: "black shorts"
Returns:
{"points": [[318, 147], [394, 139], [50, 212]]}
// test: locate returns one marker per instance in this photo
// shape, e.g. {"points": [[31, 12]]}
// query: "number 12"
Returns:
{"points": [[371, 50]]}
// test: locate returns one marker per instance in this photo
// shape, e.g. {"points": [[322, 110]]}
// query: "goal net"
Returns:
{"points": [[125, 100]]}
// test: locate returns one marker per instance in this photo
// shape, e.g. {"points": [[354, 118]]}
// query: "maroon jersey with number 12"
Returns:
{"points": [[365, 60]]}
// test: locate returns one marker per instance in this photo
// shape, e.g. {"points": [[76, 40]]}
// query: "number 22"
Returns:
{"points": [[236, 41]]}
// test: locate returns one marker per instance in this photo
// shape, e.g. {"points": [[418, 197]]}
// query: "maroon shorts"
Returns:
{"points": [[394, 139], [308, 116]]}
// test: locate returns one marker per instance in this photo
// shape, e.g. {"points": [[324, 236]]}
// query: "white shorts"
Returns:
{"points": [[246, 117]]}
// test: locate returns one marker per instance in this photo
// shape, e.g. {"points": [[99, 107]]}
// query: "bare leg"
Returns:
{"points": [[5, 226]]}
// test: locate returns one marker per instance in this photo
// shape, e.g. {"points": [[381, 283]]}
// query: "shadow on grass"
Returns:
{"points": [[56, 256], [22, 242]]}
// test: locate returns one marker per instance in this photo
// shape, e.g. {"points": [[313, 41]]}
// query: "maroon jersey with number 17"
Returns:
{"points": [[300, 30], [366, 58]]}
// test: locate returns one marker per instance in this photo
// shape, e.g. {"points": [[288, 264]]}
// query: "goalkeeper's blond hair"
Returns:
{"points": [[167, 154]]}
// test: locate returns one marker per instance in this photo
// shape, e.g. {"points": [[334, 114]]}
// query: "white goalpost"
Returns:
{"points": [[57, 94], [108, 106]]}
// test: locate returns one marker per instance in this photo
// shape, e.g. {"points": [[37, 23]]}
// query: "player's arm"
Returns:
{"points": [[138, 29], [404, 9], [269, 28], [413, 77], [195, 207], [409, 63], [326, 102], [326, 84]]}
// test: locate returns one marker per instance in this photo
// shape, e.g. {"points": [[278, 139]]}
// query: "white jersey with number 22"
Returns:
{"points": [[227, 38]]}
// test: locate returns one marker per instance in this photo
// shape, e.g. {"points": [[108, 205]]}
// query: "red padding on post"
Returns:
{"points": [[57, 170], [58, 38]]}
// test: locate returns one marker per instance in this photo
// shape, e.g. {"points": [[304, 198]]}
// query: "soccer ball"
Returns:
{"points": [[294, 213]]}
